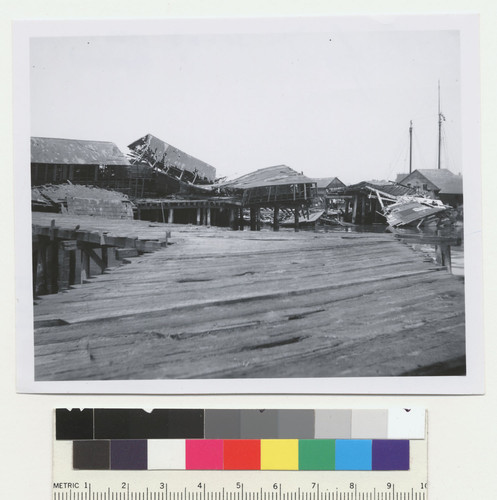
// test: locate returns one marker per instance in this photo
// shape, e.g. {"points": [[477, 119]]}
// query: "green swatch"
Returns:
{"points": [[316, 454]]}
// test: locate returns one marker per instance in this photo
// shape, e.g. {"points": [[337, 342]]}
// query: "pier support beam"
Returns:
{"points": [[66, 273], [443, 255], [354, 210], [232, 219], [199, 216], [170, 216], [254, 219], [276, 222], [208, 216], [241, 222], [296, 211], [85, 265]]}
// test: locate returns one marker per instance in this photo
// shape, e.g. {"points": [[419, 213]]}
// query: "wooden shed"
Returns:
{"points": [[272, 187], [97, 163], [438, 183]]}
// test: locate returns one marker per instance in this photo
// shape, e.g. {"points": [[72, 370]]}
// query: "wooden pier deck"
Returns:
{"points": [[224, 304]]}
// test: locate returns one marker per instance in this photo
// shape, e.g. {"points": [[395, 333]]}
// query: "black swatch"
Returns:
{"points": [[157, 424], [73, 424]]}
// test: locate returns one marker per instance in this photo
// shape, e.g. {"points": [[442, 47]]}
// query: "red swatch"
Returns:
{"points": [[242, 454]]}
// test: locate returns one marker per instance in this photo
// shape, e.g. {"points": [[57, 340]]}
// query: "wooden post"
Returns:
{"points": [[63, 268], [78, 258], [241, 221], [41, 267], [170, 216], [66, 264], [373, 209], [258, 220], [85, 265], [443, 255], [253, 222], [363, 209], [105, 258], [162, 210], [354, 209], [276, 222], [208, 218], [296, 211], [199, 216]]}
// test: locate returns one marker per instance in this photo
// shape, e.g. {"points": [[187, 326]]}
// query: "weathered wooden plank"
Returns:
{"points": [[253, 305]]}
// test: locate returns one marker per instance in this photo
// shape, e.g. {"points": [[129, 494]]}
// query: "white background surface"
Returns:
{"points": [[462, 429]]}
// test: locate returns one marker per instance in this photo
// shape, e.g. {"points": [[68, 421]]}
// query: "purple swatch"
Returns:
{"points": [[390, 454], [128, 454]]}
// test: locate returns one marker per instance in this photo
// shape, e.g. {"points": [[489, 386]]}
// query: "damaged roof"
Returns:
{"points": [[169, 155], [75, 152], [391, 189], [278, 175]]}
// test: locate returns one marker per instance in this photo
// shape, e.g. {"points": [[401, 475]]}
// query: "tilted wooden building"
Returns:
{"points": [[170, 169]]}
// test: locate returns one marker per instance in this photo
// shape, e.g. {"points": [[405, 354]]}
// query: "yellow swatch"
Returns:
{"points": [[279, 454]]}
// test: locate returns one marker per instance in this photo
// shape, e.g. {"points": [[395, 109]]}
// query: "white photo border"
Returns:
{"points": [[467, 25]]}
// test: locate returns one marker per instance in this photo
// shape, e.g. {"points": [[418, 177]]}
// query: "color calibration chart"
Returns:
{"points": [[248, 454]]}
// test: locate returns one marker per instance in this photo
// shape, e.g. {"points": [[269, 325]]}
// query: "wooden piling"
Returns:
{"points": [[241, 221], [253, 218], [443, 255]]}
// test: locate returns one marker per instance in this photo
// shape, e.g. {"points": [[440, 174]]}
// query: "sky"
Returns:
{"points": [[324, 104]]}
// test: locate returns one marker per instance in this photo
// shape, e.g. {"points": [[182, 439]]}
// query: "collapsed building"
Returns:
{"points": [[360, 207], [168, 185]]}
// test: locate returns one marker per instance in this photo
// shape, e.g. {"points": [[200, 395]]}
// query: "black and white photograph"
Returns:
{"points": [[280, 205]]}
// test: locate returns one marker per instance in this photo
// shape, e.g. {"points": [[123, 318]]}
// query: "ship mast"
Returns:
{"points": [[410, 148], [441, 118]]}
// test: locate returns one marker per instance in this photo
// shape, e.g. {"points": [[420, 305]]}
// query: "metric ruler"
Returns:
{"points": [[74, 478]]}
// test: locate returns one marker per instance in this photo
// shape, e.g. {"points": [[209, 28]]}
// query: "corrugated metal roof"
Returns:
{"points": [[448, 182], [170, 155], [75, 152], [278, 175]]}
